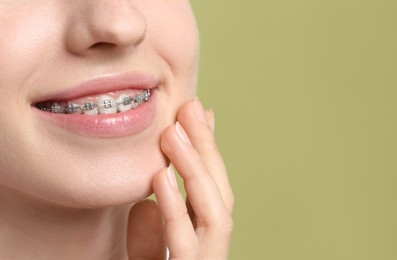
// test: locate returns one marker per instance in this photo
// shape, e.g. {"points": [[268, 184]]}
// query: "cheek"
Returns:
{"points": [[178, 44], [174, 36], [24, 44], [15, 152], [26, 38]]}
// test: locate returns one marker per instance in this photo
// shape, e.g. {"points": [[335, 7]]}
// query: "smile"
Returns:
{"points": [[105, 104]]}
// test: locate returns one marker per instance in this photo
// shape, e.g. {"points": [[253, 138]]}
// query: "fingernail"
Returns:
{"points": [[171, 177], [199, 111], [182, 133], [211, 120]]}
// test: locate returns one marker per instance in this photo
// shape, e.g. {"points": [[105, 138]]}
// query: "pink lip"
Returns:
{"points": [[105, 84], [114, 125]]}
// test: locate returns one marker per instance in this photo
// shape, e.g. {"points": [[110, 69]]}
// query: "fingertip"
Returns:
{"points": [[165, 186], [198, 123], [165, 138], [143, 204], [157, 179], [186, 111], [145, 209], [145, 230], [182, 134], [165, 177], [175, 140]]}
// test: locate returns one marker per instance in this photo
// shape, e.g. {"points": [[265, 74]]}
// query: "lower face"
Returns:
{"points": [[66, 51]]}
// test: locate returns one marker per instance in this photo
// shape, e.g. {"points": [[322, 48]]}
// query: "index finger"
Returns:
{"points": [[198, 125]]}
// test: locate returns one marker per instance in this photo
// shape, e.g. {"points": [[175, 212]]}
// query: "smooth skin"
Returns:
{"points": [[205, 232], [70, 196]]}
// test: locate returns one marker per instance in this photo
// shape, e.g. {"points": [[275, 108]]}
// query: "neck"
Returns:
{"points": [[29, 227]]}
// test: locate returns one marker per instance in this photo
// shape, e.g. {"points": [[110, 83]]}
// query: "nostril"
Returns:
{"points": [[103, 45]]}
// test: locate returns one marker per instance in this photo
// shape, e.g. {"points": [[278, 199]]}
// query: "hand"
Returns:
{"points": [[201, 228]]}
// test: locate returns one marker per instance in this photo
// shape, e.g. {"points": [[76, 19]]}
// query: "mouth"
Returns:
{"points": [[112, 106], [110, 103]]}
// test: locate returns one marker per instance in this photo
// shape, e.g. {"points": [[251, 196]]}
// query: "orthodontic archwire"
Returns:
{"points": [[71, 108]]}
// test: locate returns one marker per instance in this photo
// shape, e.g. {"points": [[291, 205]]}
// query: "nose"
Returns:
{"points": [[100, 24]]}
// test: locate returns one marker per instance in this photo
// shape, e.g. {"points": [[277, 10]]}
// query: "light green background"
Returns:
{"points": [[304, 93]]}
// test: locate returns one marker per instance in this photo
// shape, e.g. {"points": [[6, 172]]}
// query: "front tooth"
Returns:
{"points": [[107, 105], [125, 103]]}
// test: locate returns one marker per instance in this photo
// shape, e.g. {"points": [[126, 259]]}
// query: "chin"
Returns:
{"points": [[115, 182], [97, 182]]}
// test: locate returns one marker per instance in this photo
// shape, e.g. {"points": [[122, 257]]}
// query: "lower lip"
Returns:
{"points": [[115, 125]]}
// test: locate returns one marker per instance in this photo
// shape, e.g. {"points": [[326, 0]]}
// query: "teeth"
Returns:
{"points": [[104, 105], [107, 105], [125, 103], [57, 108]]}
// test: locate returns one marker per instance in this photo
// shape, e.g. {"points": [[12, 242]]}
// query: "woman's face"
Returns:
{"points": [[56, 51]]}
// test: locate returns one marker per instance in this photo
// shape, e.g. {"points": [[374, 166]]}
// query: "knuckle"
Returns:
{"points": [[166, 138], [224, 225], [210, 145], [179, 216]]}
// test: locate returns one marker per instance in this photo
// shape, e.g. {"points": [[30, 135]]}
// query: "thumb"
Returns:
{"points": [[145, 238]]}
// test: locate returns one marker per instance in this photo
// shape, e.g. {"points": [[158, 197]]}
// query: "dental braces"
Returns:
{"points": [[72, 108]]}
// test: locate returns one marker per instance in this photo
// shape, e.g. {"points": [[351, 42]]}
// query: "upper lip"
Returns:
{"points": [[105, 84]]}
